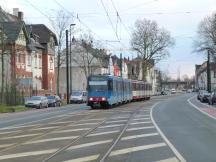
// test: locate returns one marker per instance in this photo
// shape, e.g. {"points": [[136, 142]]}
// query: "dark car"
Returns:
{"points": [[204, 96], [54, 101], [200, 92], [212, 98]]}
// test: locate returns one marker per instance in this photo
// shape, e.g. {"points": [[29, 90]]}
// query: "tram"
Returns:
{"points": [[108, 90]]}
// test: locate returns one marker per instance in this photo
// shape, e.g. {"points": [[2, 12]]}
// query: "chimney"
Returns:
{"points": [[20, 16], [15, 11]]}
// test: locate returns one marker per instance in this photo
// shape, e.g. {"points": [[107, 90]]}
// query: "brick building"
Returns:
{"points": [[29, 55]]}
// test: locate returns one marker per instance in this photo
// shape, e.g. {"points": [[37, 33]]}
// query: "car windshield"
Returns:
{"points": [[50, 97], [35, 98], [76, 93]]}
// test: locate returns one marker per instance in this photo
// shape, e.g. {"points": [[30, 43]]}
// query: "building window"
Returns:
{"points": [[35, 61], [40, 62], [29, 59], [51, 63]]}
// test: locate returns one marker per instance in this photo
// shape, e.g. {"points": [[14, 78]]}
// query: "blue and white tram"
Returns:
{"points": [[107, 90]]}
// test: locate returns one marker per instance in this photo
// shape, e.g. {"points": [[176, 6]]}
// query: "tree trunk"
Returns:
{"points": [[58, 73], [2, 85], [144, 70]]}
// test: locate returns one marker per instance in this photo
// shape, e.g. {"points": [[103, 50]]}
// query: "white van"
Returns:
{"points": [[78, 97]]}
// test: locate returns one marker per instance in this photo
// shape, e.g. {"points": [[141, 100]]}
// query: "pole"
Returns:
{"points": [[208, 73], [70, 85], [121, 63], [67, 77]]}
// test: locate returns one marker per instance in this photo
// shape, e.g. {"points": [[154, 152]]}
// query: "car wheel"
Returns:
{"points": [[54, 105], [40, 106], [47, 105]]}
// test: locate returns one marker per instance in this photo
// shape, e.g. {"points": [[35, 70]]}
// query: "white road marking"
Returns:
{"points": [[89, 144], [175, 151], [33, 153], [51, 139], [135, 123], [117, 121], [5, 145], [137, 116], [83, 124], [139, 128], [44, 128], [141, 119], [196, 107], [71, 130], [120, 117], [108, 132], [16, 131], [172, 159], [61, 122], [20, 136], [24, 126], [139, 136], [84, 159], [110, 126], [137, 148], [93, 119]]}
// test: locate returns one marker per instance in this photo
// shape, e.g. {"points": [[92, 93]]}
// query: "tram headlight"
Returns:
{"points": [[90, 99], [103, 98]]}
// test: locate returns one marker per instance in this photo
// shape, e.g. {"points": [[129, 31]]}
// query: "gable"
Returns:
{"points": [[22, 38]]}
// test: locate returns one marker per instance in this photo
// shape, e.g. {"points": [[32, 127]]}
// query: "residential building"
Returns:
{"points": [[201, 76], [29, 55]]}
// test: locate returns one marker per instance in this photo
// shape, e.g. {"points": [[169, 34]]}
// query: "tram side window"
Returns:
{"points": [[110, 85]]}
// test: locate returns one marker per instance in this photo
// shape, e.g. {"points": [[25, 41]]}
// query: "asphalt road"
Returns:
{"points": [[78, 134], [192, 133]]}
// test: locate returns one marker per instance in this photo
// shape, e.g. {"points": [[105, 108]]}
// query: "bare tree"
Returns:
{"points": [[60, 24], [2, 55], [150, 42], [206, 35], [86, 56]]}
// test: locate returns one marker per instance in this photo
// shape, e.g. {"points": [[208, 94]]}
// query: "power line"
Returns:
{"points": [[109, 19], [118, 15], [81, 22]]}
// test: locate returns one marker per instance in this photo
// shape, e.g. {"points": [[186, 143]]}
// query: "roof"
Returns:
{"points": [[6, 17], [12, 30], [43, 32]]}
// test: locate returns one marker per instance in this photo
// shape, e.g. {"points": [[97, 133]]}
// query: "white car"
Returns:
{"points": [[78, 97], [37, 102], [173, 91]]}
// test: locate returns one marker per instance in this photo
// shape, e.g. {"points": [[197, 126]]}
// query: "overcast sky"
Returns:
{"points": [[180, 17]]}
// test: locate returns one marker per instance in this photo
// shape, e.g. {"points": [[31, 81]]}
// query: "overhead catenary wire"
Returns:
{"points": [[81, 22]]}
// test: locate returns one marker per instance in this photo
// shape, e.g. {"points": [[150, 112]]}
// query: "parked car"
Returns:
{"points": [[54, 101], [78, 97], [212, 98], [204, 96], [37, 102], [200, 92], [163, 93], [173, 91]]}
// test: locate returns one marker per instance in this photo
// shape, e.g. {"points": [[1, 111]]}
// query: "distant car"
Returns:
{"points": [[212, 98], [37, 102], [200, 92], [163, 93], [54, 101], [189, 91], [204, 96], [173, 91], [78, 97]]}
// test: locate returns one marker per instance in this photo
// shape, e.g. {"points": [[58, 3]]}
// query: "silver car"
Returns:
{"points": [[37, 102], [78, 97]]}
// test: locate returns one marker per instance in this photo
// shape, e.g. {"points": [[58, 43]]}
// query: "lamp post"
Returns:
{"points": [[70, 65], [67, 78]]}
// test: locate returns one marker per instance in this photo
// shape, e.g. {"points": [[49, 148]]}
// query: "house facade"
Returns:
{"points": [[201, 76], [29, 55]]}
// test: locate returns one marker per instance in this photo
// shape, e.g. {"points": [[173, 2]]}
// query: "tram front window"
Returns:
{"points": [[98, 87]]}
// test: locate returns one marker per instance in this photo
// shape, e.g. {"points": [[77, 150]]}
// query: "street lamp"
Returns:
{"points": [[70, 71]]}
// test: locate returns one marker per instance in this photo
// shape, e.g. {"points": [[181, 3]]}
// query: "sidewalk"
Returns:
{"points": [[206, 109]]}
